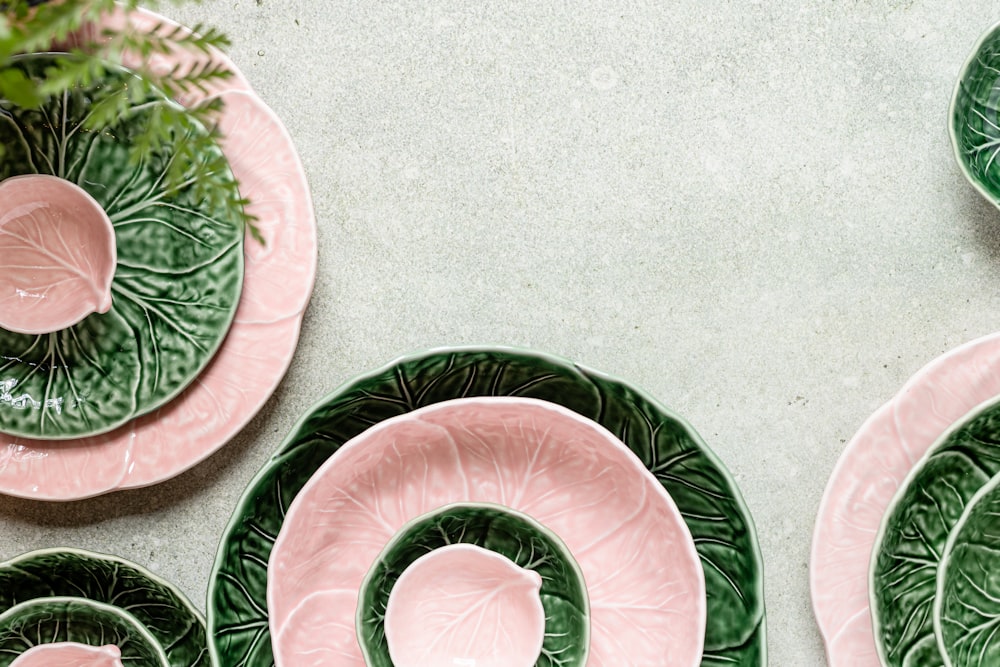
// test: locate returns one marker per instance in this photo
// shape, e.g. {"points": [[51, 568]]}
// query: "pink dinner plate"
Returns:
{"points": [[642, 572], [256, 353], [874, 465]]}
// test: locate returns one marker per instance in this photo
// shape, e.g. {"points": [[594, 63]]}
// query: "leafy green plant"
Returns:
{"points": [[31, 26]]}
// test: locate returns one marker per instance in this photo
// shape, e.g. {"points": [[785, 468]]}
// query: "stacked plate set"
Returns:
{"points": [[489, 506], [139, 332]]}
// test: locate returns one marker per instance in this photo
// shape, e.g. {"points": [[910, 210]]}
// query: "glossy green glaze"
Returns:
{"points": [[175, 290], [967, 606], [974, 121], [156, 605], [52, 620], [499, 529], [698, 483], [914, 532]]}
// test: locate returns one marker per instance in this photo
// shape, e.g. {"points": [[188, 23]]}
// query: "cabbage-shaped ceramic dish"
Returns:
{"points": [[967, 601], [60, 596], [256, 352], [915, 538], [51, 628], [516, 536], [704, 492], [870, 471], [643, 575], [58, 244], [974, 123], [465, 605], [176, 284]]}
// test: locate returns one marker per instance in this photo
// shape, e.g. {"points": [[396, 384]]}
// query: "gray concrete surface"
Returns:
{"points": [[748, 208]]}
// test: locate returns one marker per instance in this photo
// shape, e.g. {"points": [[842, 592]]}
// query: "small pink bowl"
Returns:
{"points": [[479, 607], [69, 654], [57, 254]]}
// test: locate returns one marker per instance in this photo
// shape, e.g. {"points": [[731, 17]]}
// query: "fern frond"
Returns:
{"points": [[25, 28]]}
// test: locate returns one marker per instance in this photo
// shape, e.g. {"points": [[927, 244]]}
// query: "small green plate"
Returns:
{"points": [[912, 539], [699, 484], [156, 605], [504, 531], [175, 289], [61, 619]]}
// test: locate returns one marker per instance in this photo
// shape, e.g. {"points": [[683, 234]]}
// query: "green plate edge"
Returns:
{"points": [[176, 288], [563, 592], [961, 603], [68, 619], [158, 605], [906, 555], [736, 629]]}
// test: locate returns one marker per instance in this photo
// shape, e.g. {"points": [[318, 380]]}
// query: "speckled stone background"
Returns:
{"points": [[748, 208]]}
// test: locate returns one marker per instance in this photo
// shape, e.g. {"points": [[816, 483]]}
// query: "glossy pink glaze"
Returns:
{"points": [[69, 654], [643, 575], [479, 608], [278, 281], [871, 469], [59, 256]]}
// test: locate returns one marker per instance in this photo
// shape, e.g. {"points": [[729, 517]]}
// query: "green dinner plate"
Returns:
{"points": [[501, 530], [176, 286], [699, 484]]}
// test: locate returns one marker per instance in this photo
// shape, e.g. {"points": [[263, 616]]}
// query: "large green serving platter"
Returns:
{"points": [[168, 616], [504, 531], [175, 289], [699, 484]]}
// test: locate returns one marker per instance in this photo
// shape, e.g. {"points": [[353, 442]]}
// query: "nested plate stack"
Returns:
{"points": [[131, 308], [489, 506]]}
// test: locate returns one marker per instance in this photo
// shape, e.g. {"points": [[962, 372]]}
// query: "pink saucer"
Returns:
{"points": [[643, 574], [58, 249], [278, 281], [465, 605]]}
